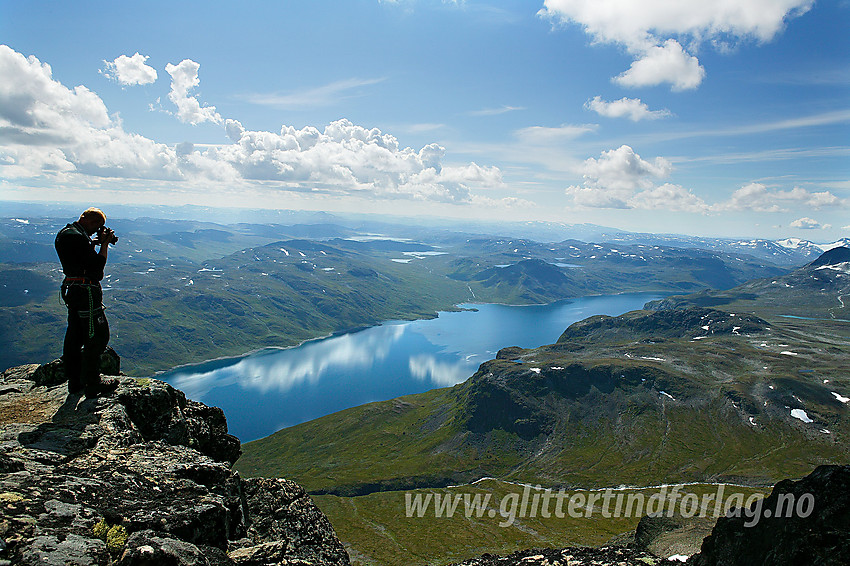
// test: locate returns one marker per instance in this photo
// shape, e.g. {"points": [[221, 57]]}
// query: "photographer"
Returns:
{"points": [[88, 330]]}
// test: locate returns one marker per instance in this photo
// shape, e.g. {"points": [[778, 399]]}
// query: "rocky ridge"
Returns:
{"points": [[142, 477]]}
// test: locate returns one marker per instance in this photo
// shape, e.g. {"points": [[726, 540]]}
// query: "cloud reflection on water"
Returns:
{"points": [[281, 370], [444, 374]]}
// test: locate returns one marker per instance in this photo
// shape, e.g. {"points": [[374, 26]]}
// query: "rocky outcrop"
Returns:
{"points": [[141, 477], [800, 522], [666, 536], [606, 555]]}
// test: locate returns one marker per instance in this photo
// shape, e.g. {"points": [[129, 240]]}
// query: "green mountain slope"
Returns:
{"points": [[685, 394]]}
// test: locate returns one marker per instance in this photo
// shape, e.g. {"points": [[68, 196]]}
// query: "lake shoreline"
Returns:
{"points": [[276, 387], [459, 307]]}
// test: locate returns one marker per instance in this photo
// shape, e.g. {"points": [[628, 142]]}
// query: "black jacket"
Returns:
{"points": [[76, 252]]}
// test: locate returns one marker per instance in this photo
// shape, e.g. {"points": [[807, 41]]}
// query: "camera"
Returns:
{"points": [[106, 236]]}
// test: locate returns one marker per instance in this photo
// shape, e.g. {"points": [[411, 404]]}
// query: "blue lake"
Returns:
{"points": [[274, 388]]}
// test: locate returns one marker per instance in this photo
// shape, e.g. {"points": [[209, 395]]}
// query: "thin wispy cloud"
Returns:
{"points": [[325, 95], [548, 135], [820, 77], [766, 155], [823, 119], [495, 111], [422, 128]]}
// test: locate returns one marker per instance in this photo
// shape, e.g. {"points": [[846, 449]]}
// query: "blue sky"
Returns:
{"points": [[691, 116]]}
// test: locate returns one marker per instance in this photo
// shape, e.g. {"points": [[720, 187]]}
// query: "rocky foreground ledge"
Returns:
{"points": [[141, 477]]}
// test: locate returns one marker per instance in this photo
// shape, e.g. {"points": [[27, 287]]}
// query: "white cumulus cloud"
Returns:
{"points": [[667, 63], [349, 156], [807, 223], [631, 108], [52, 131], [759, 198], [49, 129], [623, 168], [620, 178], [184, 78], [646, 27], [668, 197], [130, 70], [612, 180]]}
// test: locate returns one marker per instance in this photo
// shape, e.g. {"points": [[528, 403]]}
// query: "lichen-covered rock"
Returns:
{"points": [[71, 550], [288, 523], [146, 548], [145, 462]]}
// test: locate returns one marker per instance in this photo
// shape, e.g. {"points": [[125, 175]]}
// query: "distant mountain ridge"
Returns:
{"points": [[787, 251], [816, 290], [205, 290]]}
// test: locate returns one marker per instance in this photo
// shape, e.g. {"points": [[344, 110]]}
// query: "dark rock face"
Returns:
{"points": [[820, 538], [150, 461]]}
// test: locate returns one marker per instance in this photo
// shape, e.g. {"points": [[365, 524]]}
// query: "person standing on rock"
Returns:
{"points": [[88, 330]]}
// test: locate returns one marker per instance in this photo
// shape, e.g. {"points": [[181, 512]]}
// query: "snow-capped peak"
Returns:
{"points": [[810, 248], [794, 243], [843, 242]]}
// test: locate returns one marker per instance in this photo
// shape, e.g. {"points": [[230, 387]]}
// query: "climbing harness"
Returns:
{"points": [[87, 284]]}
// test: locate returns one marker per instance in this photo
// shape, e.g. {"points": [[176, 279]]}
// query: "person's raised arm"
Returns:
{"points": [[103, 241]]}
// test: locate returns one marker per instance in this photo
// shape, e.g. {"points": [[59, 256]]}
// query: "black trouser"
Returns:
{"points": [[86, 337]]}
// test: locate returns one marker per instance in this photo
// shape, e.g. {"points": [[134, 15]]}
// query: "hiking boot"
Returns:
{"points": [[102, 388]]}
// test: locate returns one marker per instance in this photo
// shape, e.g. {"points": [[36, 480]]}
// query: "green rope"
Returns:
{"points": [[91, 313]]}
